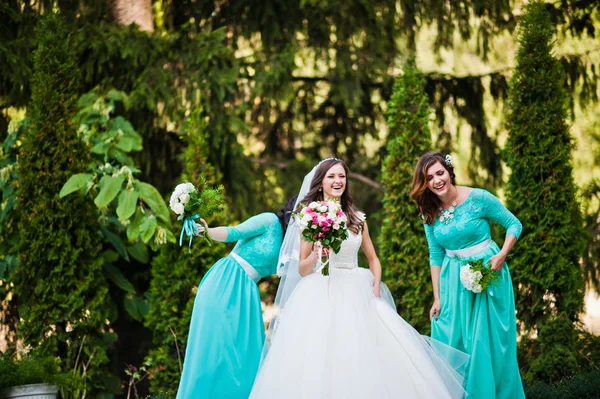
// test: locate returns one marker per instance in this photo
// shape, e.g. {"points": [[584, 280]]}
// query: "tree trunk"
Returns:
{"points": [[138, 12]]}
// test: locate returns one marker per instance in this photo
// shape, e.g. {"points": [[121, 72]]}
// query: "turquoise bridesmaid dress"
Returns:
{"points": [[482, 325], [226, 331]]}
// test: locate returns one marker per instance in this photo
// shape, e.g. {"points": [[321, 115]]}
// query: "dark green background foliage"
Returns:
{"points": [[542, 193], [59, 282], [541, 190], [176, 273], [228, 90], [402, 241]]}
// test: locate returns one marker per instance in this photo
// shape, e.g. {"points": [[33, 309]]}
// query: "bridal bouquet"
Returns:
{"points": [[189, 203], [476, 277], [323, 222]]}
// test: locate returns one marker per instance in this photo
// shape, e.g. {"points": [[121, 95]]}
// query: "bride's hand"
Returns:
{"points": [[324, 250], [376, 288], [435, 310]]}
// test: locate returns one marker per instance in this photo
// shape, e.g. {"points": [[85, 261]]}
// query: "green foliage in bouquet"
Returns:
{"points": [[60, 287], [176, 273], [488, 276], [402, 241], [206, 200], [541, 189]]}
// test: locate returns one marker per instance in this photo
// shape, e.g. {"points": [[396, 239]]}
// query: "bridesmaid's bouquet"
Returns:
{"points": [[189, 203], [323, 222], [476, 277]]}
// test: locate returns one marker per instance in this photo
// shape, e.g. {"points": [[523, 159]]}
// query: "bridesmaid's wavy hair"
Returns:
{"points": [[285, 214], [355, 223], [428, 202]]}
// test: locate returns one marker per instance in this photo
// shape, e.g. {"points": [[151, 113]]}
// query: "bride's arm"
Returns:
{"points": [[308, 258], [374, 264]]}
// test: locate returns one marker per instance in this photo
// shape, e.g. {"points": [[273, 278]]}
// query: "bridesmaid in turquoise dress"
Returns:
{"points": [[226, 331], [457, 226]]}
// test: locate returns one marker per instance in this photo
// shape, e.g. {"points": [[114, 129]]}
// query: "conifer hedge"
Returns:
{"points": [[61, 290], [403, 244], [542, 193], [177, 273]]}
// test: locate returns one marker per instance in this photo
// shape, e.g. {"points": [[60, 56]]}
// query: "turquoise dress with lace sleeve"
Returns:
{"points": [[482, 325], [226, 331]]}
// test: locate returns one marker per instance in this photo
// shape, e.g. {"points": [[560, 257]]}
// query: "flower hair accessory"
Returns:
{"points": [[448, 160]]}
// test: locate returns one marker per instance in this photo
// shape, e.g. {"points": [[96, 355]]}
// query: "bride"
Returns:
{"points": [[334, 336]]}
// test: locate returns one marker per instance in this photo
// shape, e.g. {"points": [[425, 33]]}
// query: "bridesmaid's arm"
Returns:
{"points": [[249, 228], [498, 213], [435, 281], [436, 258], [374, 264]]}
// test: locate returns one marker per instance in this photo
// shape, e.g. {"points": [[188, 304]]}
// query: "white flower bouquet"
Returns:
{"points": [[189, 204], [476, 277]]}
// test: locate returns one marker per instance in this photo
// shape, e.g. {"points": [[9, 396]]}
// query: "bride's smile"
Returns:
{"points": [[334, 183]]}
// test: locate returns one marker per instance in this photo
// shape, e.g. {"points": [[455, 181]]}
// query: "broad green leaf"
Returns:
{"points": [[127, 202], [121, 157], [128, 143], [75, 183], [100, 148], [120, 123], [150, 195], [148, 228], [136, 306], [133, 228], [110, 256], [87, 100], [139, 252], [171, 237], [110, 187], [116, 241], [116, 95], [114, 274]]}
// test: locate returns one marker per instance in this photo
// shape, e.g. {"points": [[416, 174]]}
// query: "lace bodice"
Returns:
{"points": [[470, 226], [258, 241], [347, 258]]}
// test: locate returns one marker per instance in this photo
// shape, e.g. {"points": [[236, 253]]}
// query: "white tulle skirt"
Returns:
{"points": [[335, 339]]}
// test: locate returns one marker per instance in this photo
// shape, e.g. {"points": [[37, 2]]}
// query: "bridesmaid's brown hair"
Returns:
{"points": [[428, 202]]}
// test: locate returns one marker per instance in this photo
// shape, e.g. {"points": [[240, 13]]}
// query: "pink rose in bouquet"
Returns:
{"points": [[323, 222]]}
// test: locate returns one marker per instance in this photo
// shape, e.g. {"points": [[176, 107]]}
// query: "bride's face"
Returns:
{"points": [[334, 183]]}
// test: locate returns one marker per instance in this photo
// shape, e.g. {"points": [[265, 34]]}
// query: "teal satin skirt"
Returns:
{"points": [[226, 336], [484, 326]]}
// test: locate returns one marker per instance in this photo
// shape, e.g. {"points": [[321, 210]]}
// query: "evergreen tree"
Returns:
{"points": [[402, 241], [541, 190], [176, 274], [61, 289]]}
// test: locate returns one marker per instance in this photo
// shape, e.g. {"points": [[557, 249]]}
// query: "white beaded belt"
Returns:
{"points": [[344, 266], [250, 271], [470, 251]]}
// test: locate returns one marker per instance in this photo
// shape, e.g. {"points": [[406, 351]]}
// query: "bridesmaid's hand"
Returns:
{"points": [[201, 227], [497, 261], [435, 310], [376, 288]]}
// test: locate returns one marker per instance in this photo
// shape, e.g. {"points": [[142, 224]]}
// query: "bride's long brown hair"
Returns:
{"points": [[355, 223], [428, 203]]}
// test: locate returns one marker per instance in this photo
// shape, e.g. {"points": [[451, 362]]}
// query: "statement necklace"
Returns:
{"points": [[446, 215]]}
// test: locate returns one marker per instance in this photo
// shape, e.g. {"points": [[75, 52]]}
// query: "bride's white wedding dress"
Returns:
{"points": [[335, 339]]}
